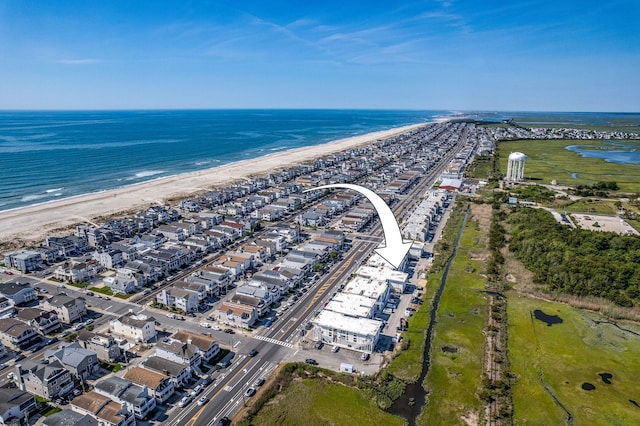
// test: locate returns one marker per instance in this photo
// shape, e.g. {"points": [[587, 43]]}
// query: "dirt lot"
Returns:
{"points": [[604, 223]]}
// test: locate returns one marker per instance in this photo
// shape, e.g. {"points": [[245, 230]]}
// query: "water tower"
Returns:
{"points": [[515, 167]]}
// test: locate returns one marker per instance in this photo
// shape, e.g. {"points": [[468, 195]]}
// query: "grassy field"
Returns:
{"points": [[549, 160], [592, 205], [566, 355], [315, 402], [454, 378], [407, 365]]}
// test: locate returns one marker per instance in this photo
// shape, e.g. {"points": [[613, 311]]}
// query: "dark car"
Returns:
{"points": [[253, 352], [224, 422], [311, 361], [229, 331], [268, 323]]}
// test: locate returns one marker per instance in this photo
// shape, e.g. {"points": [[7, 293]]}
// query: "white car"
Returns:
{"points": [[184, 401], [203, 401], [205, 325], [216, 327]]}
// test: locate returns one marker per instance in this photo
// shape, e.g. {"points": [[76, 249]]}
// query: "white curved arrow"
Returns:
{"points": [[395, 249]]}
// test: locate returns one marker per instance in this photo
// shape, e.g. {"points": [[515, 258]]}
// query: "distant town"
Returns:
{"points": [[178, 314]]}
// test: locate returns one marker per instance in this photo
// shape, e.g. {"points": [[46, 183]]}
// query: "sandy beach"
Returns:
{"points": [[30, 225]]}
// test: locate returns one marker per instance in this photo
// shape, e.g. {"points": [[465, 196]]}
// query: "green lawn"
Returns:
{"points": [[548, 160], [315, 402], [103, 290], [454, 378], [565, 356]]}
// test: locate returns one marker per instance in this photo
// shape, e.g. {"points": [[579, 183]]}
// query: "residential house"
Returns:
{"points": [[144, 272], [23, 260], [80, 362], [201, 289], [160, 386], [19, 292], [151, 241], [109, 259], [137, 327], [50, 380], [177, 372], [70, 418], [76, 272], [207, 345], [178, 298], [213, 281], [103, 409], [136, 399], [237, 314], [68, 309], [15, 406], [16, 334], [180, 352], [44, 322], [105, 347], [260, 306], [122, 283], [173, 232]]}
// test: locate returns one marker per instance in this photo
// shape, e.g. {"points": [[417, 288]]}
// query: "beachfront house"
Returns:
{"points": [[23, 260]]}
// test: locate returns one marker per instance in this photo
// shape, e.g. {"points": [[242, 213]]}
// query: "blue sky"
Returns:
{"points": [[558, 55]]}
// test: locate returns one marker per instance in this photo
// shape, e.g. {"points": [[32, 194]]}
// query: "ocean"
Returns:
{"points": [[46, 156]]}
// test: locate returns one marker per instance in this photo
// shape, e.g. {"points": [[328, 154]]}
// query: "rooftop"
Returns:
{"points": [[143, 376], [337, 321], [351, 304]]}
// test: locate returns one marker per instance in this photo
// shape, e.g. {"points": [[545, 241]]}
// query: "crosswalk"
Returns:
{"points": [[274, 341]]}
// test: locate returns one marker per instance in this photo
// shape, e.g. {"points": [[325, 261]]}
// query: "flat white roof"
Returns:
{"points": [[378, 268], [333, 320], [366, 286], [351, 304]]}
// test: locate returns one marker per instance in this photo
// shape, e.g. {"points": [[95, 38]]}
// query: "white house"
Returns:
{"points": [[138, 327]]}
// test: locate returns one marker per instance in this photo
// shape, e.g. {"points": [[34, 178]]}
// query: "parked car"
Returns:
{"points": [[268, 323], [184, 401], [3, 366], [90, 293], [229, 331], [89, 321], [250, 392], [197, 389], [365, 356], [259, 382], [223, 364], [311, 361], [205, 325], [335, 349]]}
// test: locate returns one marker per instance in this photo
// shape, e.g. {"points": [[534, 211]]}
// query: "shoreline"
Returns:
{"points": [[24, 226]]}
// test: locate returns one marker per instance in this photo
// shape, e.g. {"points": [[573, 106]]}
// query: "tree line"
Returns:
{"points": [[576, 261]]}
